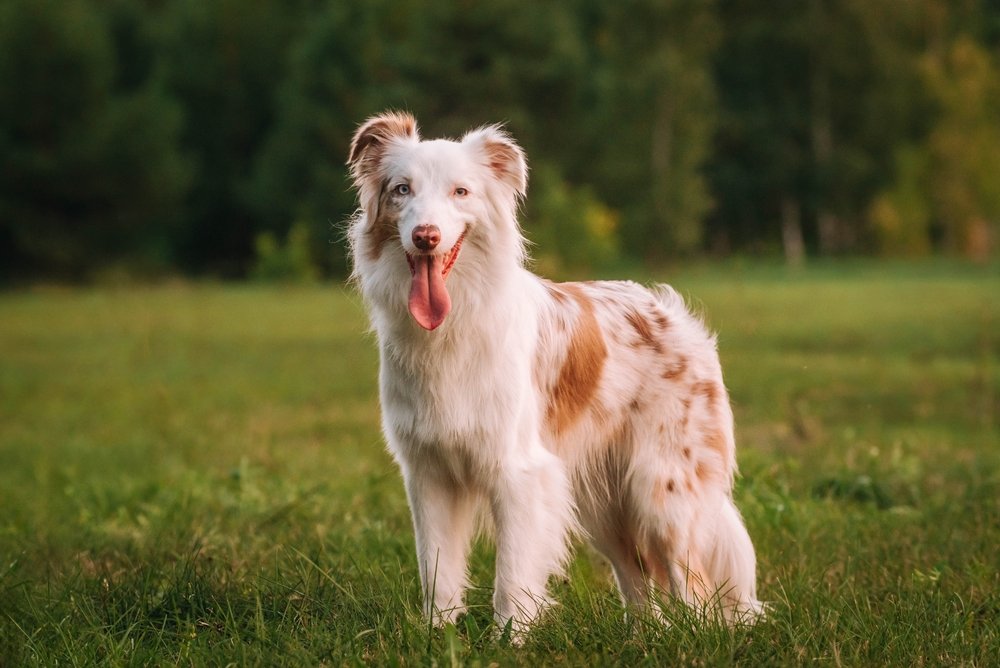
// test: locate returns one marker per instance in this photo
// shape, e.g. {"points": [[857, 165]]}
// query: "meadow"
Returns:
{"points": [[193, 474]]}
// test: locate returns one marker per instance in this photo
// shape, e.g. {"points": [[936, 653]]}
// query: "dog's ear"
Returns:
{"points": [[502, 155], [370, 141]]}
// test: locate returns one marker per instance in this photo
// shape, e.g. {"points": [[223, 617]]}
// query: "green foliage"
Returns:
{"points": [[570, 227], [194, 474], [901, 217], [949, 184], [288, 262], [658, 85], [90, 173], [170, 135], [816, 97], [965, 148], [222, 60]]}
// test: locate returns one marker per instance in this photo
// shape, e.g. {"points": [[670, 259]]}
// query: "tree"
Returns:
{"points": [[762, 141], [651, 127], [221, 60], [90, 173], [815, 100], [945, 194], [965, 147]]}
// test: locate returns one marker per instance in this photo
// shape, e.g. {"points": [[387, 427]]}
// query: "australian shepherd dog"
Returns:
{"points": [[548, 409]]}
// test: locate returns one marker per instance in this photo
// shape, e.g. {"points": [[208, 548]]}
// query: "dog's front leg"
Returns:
{"points": [[443, 523], [533, 513]]}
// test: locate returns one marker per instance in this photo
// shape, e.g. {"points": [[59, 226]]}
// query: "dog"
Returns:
{"points": [[551, 409]]}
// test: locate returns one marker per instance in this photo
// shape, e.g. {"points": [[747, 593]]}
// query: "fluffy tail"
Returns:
{"points": [[732, 566]]}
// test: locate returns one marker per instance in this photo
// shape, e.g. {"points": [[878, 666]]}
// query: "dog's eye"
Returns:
{"points": [[461, 192], [402, 189]]}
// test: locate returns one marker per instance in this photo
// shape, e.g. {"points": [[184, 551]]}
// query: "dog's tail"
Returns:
{"points": [[732, 566]]}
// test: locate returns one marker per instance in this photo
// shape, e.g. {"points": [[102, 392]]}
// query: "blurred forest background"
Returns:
{"points": [[207, 137]]}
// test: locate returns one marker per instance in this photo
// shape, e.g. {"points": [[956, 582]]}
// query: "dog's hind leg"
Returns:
{"points": [[444, 517], [612, 536], [630, 575]]}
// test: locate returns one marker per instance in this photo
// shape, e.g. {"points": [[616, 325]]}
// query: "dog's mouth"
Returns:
{"points": [[430, 302]]}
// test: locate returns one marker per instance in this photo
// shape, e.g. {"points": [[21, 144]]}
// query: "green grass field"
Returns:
{"points": [[194, 475]]}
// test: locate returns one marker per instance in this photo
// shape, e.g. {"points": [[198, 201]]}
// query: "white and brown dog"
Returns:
{"points": [[556, 408]]}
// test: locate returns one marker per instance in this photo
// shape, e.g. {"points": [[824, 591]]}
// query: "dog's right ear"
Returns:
{"points": [[373, 136]]}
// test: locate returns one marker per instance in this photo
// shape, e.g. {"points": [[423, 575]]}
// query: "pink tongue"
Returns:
{"points": [[429, 300]]}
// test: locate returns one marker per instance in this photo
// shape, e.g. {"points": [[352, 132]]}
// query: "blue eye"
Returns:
{"points": [[402, 189]]}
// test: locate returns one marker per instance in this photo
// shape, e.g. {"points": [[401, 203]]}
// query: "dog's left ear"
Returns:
{"points": [[502, 155]]}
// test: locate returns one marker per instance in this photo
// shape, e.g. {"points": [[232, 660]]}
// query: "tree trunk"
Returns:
{"points": [[660, 158], [791, 232], [828, 231]]}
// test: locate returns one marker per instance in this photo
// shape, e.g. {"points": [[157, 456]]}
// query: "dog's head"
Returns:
{"points": [[422, 200]]}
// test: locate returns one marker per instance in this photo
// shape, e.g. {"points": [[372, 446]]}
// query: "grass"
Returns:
{"points": [[193, 474]]}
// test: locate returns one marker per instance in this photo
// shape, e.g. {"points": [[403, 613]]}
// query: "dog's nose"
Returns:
{"points": [[426, 237]]}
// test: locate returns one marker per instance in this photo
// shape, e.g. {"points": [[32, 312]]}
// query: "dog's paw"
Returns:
{"points": [[513, 632], [442, 618]]}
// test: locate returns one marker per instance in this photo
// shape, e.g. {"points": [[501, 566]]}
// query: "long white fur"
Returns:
{"points": [[551, 409]]}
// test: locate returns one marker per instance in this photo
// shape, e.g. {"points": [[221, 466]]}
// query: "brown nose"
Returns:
{"points": [[426, 237]]}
